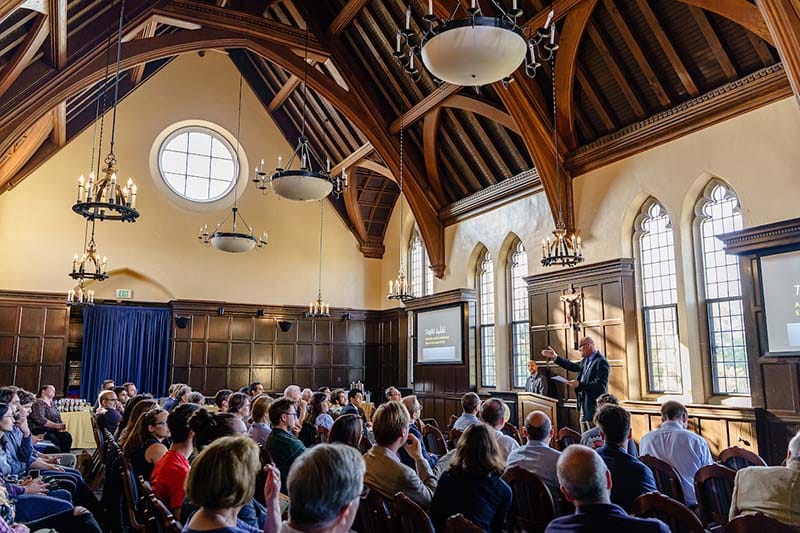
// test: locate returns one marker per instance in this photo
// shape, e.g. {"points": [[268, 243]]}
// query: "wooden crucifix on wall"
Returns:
{"points": [[573, 307]]}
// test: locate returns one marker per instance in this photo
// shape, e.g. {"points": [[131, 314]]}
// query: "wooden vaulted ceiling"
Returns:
{"points": [[629, 75]]}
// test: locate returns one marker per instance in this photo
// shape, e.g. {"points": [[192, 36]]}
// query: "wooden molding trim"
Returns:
{"points": [[702, 410], [783, 20], [443, 298], [742, 242], [506, 191], [347, 14], [613, 267], [741, 12], [731, 100], [372, 249]]}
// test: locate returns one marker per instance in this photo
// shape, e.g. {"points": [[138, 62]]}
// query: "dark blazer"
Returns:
{"points": [[601, 517], [593, 381], [407, 459], [630, 478]]}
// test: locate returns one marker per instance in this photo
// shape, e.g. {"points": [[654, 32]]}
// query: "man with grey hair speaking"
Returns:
{"points": [[324, 489], [586, 482]]}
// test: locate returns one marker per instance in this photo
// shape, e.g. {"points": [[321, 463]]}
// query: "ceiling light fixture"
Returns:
{"points": [[400, 288], [475, 49], [318, 308]]}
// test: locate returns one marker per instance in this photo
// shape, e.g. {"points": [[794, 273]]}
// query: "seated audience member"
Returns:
{"points": [[385, 472], [326, 391], [255, 389], [197, 398], [347, 429], [770, 490], [293, 392], [282, 445], [170, 472], [43, 447], [145, 446], [631, 478], [239, 405], [324, 488], [393, 395], [260, 429], [586, 482], [414, 410], [45, 419], [685, 451], [317, 417], [122, 397], [470, 403], [536, 456], [472, 486], [130, 389], [493, 414], [233, 463], [137, 407], [177, 392], [353, 407], [108, 384], [338, 398], [221, 399], [110, 417], [591, 437], [306, 395]]}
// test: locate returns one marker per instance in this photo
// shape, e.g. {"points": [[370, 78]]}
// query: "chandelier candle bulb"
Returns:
{"points": [[80, 188], [328, 165], [408, 16], [398, 42], [430, 6], [280, 160], [133, 197]]}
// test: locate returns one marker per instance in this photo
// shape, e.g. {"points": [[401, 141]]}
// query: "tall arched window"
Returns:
{"points": [[485, 283], [518, 300], [718, 213], [420, 276], [656, 250]]}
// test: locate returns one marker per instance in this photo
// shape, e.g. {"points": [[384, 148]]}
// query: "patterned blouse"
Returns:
{"points": [[42, 412]]}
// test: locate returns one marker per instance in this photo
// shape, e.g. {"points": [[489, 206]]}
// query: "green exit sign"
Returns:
{"points": [[123, 294]]}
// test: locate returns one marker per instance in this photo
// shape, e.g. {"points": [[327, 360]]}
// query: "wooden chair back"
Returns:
{"points": [[129, 494], [411, 518], [430, 422], [453, 435], [713, 485], [157, 518], [667, 479], [737, 458], [512, 431], [757, 523], [434, 440], [532, 506], [322, 434], [374, 513], [459, 524], [566, 437], [451, 421], [676, 515]]}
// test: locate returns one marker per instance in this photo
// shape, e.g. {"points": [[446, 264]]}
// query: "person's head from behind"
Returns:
{"points": [[221, 399], [493, 413], [283, 413], [355, 397], [538, 427], [583, 476], [477, 452], [208, 427], [232, 463], [347, 429], [470, 403], [793, 453], [178, 422], [413, 407], [614, 423], [390, 424], [392, 394], [239, 404], [108, 384], [133, 413], [196, 397], [674, 411], [324, 487], [107, 399], [260, 409], [606, 398]]}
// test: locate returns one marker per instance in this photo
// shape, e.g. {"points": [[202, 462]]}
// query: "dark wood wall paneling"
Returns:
{"points": [[774, 380], [33, 340], [607, 314]]}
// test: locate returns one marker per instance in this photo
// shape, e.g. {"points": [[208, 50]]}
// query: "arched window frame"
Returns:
{"points": [[658, 306], [518, 313], [719, 292], [419, 272], [484, 281]]}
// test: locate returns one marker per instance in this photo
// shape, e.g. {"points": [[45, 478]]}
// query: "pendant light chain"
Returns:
{"points": [[305, 78], [555, 143], [319, 281], [400, 197], [116, 80], [238, 134]]}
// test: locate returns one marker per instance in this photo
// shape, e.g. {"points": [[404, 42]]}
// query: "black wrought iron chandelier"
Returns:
{"points": [[472, 49], [89, 267], [400, 288], [234, 241], [318, 308], [563, 249], [312, 181], [103, 198]]}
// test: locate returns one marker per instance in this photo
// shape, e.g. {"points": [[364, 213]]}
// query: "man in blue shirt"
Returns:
{"points": [[586, 482], [631, 477]]}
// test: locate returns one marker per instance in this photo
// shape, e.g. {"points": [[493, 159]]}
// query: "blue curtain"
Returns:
{"points": [[125, 344]]}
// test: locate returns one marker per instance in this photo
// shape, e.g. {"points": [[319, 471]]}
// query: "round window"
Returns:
{"points": [[198, 164]]}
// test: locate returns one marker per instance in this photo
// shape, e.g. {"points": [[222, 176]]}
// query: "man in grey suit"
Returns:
{"points": [[592, 380]]}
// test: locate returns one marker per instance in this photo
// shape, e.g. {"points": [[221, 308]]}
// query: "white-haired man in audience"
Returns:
{"points": [[537, 456], [493, 413], [393, 395], [771, 490], [586, 482], [686, 451], [324, 488]]}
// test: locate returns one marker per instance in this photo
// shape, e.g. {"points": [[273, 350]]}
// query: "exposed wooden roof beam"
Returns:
{"points": [[354, 211], [347, 14], [566, 62], [25, 53], [377, 168], [360, 153], [761, 49], [423, 106], [713, 41], [741, 12], [24, 148], [783, 20], [637, 53], [430, 130], [57, 51], [622, 80], [59, 134], [222, 3], [465, 143], [560, 10], [286, 91], [588, 88], [669, 50], [7, 7], [480, 107], [147, 32]]}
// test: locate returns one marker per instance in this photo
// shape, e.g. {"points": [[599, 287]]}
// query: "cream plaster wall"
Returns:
{"points": [[159, 256]]}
